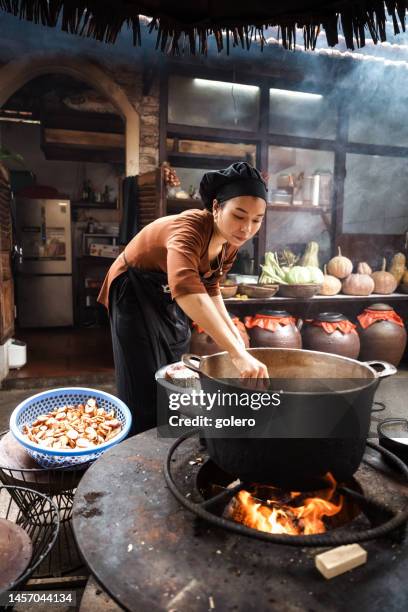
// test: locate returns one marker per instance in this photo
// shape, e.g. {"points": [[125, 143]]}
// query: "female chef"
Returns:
{"points": [[169, 274]]}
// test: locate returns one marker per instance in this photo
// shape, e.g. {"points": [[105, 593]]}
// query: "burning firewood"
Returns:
{"points": [[291, 513]]}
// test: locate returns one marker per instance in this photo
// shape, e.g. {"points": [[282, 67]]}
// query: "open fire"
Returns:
{"points": [[275, 511]]}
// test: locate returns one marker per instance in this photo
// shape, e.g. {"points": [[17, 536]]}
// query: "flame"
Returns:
{"points": [[297, 517]]}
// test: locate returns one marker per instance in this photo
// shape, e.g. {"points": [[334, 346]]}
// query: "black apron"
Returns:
{"points": [[149, 330]]}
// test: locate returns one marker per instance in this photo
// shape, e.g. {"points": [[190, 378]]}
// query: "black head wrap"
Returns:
{"points": [[239, 179]]}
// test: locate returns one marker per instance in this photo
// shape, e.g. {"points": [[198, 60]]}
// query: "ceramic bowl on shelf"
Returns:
{"points": [[299, 291], [228, 291], [254, 290]]}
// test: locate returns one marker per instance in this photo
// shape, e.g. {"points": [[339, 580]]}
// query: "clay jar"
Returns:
{"points": [[331, 332], [382, 334], [274, 328], [202, 344]]}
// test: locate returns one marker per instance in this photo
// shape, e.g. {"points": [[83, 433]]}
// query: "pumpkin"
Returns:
{"points": [[331, 284], [340, 266], [310, 256], [397, 267], [384, 282], [364, 268], [358, 284]]}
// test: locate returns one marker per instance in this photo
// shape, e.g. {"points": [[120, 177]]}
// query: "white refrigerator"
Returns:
{"points": [[44, 270]]}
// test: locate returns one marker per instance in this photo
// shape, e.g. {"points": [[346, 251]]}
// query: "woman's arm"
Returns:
{"points": [[201, 309], [220, 306]]}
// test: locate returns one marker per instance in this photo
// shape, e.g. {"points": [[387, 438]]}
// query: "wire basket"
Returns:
{"points": [[38, 516], [57, 483], [47, 401]]}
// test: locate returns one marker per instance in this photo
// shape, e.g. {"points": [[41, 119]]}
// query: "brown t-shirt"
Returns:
{"points": [[177, 245]]}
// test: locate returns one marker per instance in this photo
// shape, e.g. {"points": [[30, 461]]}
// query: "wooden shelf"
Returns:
{"points": [[393, 297], [293, 208], [100, 205], [324, 212]]}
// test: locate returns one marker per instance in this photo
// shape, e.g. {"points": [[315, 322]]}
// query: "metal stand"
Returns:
{"points": [[59, 485]]}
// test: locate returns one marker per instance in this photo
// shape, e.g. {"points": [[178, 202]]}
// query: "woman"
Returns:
{"points": [[168, 274]]}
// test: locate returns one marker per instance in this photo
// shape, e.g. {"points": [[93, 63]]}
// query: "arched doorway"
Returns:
{"points": [[16, 75]]}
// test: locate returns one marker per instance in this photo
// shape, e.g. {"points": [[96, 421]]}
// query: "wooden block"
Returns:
{"points": [[341, 559]]}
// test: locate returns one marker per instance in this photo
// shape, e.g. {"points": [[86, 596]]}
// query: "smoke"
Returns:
{"points": [[367, 89]]}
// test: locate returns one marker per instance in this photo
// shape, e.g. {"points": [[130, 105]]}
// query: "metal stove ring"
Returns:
{"points": [[327, 539]]}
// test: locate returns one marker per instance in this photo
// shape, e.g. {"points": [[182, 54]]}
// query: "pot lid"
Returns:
{"points": [[330, 317], [274, 313], [379, 306]]}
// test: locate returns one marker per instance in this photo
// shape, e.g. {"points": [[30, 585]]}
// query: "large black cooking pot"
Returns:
{"points": [[323, 421]]}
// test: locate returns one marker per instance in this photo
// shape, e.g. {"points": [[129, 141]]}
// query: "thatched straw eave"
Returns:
{"points": [[185, 25]]}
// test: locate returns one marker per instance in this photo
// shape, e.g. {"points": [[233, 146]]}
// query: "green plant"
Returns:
{"points": [[7, 155]]}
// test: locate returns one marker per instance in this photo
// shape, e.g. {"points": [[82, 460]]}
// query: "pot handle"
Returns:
{"points": [[388, 368], [188, 360], [390, 420]]}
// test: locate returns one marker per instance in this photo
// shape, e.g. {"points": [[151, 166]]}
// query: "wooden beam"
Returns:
{"points": [[83, 154], [83, 139]]}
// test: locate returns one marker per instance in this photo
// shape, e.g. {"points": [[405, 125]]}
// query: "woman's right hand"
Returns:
{"points": [[248, 366]]}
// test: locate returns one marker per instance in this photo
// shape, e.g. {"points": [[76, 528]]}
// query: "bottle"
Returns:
{"points": [[91, 196], [91, 226], [106, 193], [85, 192]]}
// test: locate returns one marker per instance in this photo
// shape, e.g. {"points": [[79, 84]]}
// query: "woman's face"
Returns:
{"points": [[238, 219]]}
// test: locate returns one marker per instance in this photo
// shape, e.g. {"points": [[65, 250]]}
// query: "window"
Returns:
{"points": [[216, 104], [375, 195], [296, 113]]}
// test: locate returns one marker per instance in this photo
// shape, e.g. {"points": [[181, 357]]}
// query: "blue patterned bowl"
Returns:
{"points": [[42, 403]]}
